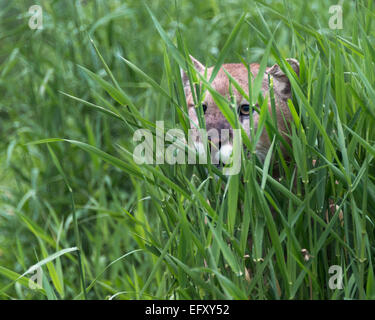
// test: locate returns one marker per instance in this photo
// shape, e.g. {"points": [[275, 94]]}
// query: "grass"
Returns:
{"points": [[72, 95]]}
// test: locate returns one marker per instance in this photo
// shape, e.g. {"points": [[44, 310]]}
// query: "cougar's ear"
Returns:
{"points": [[184, 76], [281, 82]]}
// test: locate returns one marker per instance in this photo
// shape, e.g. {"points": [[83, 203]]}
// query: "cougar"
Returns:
{"points": [[215, 119]]}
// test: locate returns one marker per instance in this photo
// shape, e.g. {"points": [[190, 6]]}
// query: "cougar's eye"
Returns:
{"points": [[204, 107], [244, 110]]}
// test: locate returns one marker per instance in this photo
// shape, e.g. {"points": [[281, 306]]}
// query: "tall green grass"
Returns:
{"points": [[74, 203]]}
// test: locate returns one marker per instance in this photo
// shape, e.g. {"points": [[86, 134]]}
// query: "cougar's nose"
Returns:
{"points": [[214, 143], [224, 154]]}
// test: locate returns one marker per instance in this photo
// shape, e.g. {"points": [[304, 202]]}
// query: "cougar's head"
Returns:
{"points": [[220, 132]]}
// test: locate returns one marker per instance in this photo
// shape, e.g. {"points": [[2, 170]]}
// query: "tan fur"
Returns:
{"points": [[215, 119]]}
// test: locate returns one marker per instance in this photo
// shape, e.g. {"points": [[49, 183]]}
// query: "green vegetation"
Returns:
{"points": [[68, 110]]}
